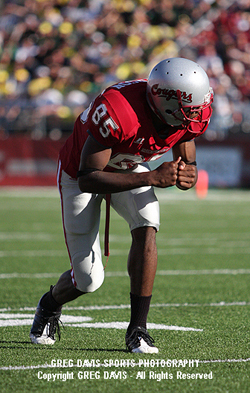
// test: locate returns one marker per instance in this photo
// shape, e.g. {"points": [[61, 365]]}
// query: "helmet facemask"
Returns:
{"points": [[189, 113]]}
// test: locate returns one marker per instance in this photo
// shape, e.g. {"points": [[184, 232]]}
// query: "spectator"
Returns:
{"points": [[82, 46]]}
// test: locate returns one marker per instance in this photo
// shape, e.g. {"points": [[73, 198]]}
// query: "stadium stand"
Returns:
{"points": [[57, 54]]}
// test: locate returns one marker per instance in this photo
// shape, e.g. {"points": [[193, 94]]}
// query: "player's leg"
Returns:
{"points": [[142, 264], [144, 252], [64, 291], [81, 217], [140, 209]]}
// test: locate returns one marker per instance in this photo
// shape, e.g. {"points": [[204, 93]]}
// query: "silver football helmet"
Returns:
{"points": [[178, 91]]}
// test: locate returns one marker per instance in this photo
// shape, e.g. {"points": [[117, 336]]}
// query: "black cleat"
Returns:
{"points": [[45, 325], [139, 341]]}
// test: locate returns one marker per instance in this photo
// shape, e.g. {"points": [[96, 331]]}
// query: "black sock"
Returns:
{"points": [[139, 311], [48, 302]]}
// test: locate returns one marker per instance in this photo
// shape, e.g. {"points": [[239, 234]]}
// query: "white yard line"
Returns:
{"points": [[4, 276], [28, 275], [225, 361], [10, 236], [46, 365], [118, 252], [127, 306], [172, 194], [33, 253]]}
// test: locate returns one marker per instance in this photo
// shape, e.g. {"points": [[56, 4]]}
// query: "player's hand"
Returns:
{"points": [[166, 174], [186, 175]]}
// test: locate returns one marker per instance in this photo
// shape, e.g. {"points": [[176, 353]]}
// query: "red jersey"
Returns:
{"points": [[121, 119]]}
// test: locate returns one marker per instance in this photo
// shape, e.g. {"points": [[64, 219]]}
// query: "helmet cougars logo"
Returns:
{"points": [[168, 94], [178, 91]]}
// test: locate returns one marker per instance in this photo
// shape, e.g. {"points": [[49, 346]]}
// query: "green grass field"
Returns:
{"points": [[200, 305]]}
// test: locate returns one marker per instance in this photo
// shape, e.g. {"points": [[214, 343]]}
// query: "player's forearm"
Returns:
{"points": [[99, 182]]}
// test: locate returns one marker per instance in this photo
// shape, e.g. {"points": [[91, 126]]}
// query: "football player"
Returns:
{"points": [[106, 157]]}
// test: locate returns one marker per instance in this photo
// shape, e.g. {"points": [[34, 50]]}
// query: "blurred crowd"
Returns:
{"points": [[57, 55]]}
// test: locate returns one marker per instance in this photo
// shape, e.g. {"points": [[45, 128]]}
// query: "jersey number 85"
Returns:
{"points": [[106, 123]]}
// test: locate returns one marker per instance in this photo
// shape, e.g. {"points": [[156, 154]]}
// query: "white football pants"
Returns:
{"points": [[81, 219]]}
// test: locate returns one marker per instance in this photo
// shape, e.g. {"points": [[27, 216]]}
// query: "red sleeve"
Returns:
{"points": [[111, 119]]}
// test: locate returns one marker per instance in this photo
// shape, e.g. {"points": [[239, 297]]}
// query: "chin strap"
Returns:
{"points": [[106, 236]]}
